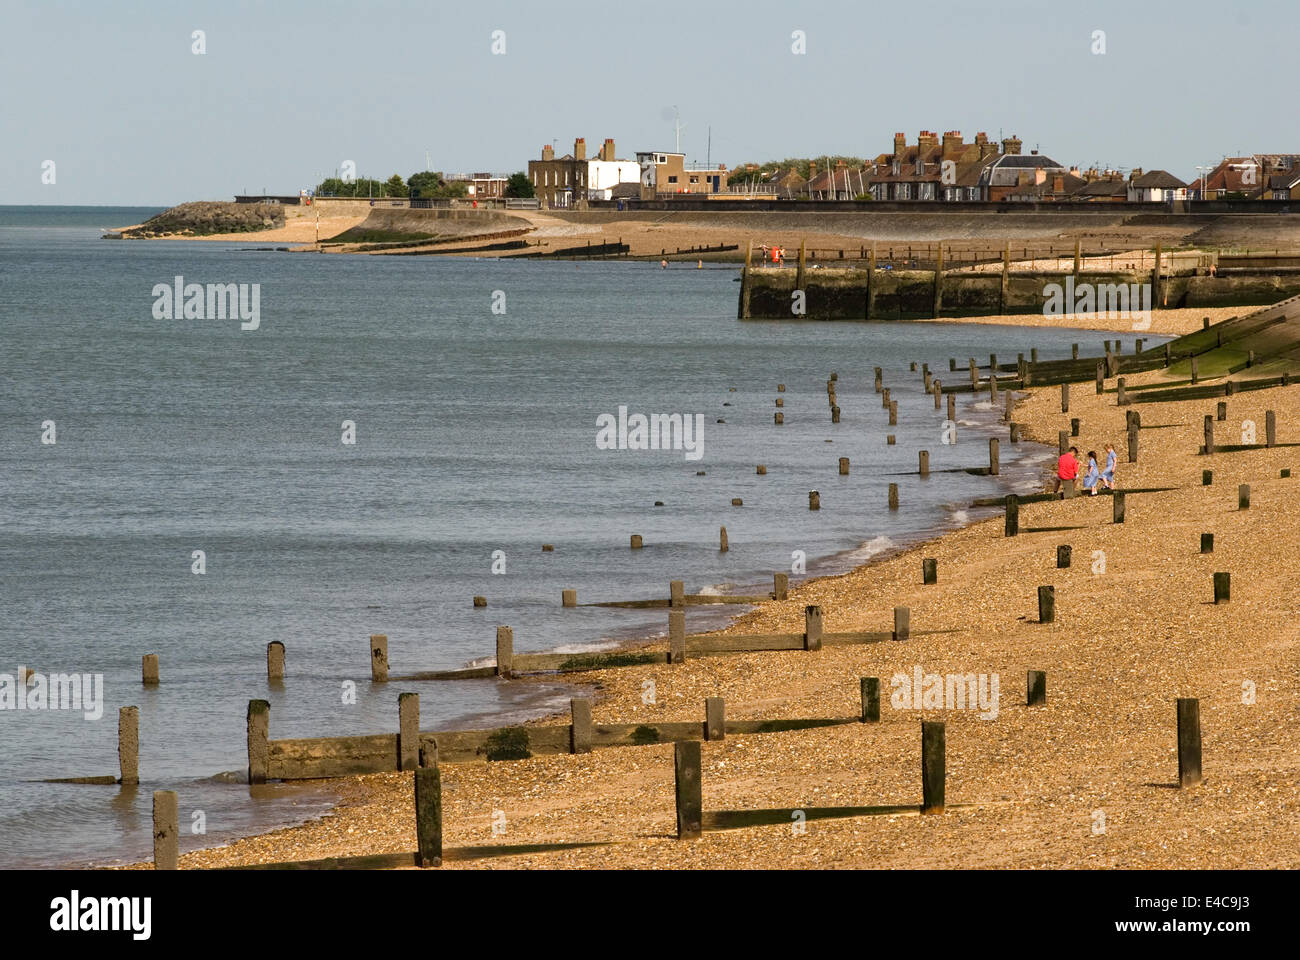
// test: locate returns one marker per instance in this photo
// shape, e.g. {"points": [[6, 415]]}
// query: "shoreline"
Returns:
{"points": [[351, 791], [1081, 782]]}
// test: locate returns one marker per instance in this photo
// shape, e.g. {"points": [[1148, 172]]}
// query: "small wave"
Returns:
{"points": [[713, 590], [959, 516], [871, 548], [981, 405], [594, 647]]}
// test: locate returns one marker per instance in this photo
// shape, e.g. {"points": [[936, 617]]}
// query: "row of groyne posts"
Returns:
{"points": [[421, 752], [937, 298]]}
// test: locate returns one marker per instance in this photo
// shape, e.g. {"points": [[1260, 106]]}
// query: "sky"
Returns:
{"points": [[110, 101]]}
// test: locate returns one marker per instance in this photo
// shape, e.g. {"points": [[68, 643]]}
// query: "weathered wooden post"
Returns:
{"points": [[952, 408], [1195, 376], [1067, 489], [927, 381], [677, 636], [761, 470], [1207, 477], [1209, 434], [505, 652], [676, 593], [1207, 543], [1022, 370], [166, 830], [893, 496], [379, 658], [1132, 443], [937, 389], [408, 731], [1222, 587], [722, 539], [1062, 442], [929, 571], [812, 627], [835, 414], [844, 466], [569, 598], [933, 773], [1189, 741], [1013, 515], [1101, 378], [715, 718], [1121, 397], [993, 387], [993, 456], [688, 789], [1118, 499], [428, 816], [1074, 426], [814, 500], [579, 725], [993, 363], [1221, 411], [275, 661], [1015, 433], [1063, 555], [1270, 428], [1033, 355], [870, 687], [1046, 604], [1036, 688], [780, 586], [923, 463], [1243, 497], [884, 399], [893, 412], [902, 623], [128, 744], [974, 374], [879, 379], [1074, 351], [259, 733], [149, 669], [1010, 405], [638, 542], [1065, 398]]}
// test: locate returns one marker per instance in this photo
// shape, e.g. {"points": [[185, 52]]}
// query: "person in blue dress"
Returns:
{"points": [[1092, 479], [1108, 475]]}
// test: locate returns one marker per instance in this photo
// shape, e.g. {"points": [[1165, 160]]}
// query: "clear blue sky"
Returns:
{"points": [[287, 91]]}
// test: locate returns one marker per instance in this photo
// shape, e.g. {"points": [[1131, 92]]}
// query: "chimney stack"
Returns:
{"points": [[548, 152], [1011, 145], [900, 144], [927, 140], [1058, 184], [952, 143], [986, 149], [580, 148], [607, 151]]}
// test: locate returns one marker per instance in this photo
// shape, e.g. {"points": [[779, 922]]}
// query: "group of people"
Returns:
{"points": [[1067, 468], [775, 254]]}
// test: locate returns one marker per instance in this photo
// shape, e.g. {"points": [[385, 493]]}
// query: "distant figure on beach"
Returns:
{"points": [[764, 249], [1108, 475], [663, 264], [1067, 468], [1092, 478]]}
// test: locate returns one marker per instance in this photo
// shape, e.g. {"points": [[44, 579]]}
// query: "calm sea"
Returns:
{"points": [[475, 432]]}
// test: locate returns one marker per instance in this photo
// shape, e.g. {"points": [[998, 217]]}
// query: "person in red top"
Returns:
{"points": [[1067, 468]]}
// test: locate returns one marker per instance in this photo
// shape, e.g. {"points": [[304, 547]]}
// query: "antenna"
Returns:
{"points": [[678, 127], [708, 155]]}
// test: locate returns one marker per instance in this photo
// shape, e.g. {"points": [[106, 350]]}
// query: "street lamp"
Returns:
{"points": [[1204, 172]]}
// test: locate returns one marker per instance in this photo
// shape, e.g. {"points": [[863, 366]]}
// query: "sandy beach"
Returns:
{"points": [[1086, 781]]}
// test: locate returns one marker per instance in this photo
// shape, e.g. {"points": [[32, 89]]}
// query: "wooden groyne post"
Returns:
{"points": [[428, 816], [408, 731], [689, 794], [275, 662], [1036, 688], [166, 830], [743, 310], [812, 627], [128, 745], [379, 658], [870, 687], [259, 731], [1189, 741], [933, 766]]}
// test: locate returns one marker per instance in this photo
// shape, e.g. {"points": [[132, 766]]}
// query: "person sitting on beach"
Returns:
{"points": [[1092, 479], [1067, 468], [1108, 475]]}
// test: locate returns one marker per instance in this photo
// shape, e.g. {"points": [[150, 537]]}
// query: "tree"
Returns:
{"points": [[424, 184], [520, 186], [395, 186]]}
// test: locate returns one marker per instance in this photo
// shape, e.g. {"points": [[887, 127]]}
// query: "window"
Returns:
{"points": [[661, 159], [695, 179], [672, 179]]}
